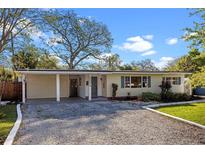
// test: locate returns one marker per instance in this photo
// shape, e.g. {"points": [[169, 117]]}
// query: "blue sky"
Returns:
{"points": [[129, 28]]}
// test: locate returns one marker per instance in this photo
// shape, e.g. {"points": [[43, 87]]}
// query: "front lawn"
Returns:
{"points": [[193, 112], [7, 121]]}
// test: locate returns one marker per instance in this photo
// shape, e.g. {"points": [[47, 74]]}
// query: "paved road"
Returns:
{"points": [[101, 123]]}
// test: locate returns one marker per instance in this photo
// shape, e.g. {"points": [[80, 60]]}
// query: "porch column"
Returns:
{"points": [[23, 89], [57, 87], [68, 85], [89, 88]]}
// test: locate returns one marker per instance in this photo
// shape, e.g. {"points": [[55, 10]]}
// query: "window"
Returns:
{"points": [[176, 81], [136, 82], [168, 79], [146, 81], [173, 80], [127, 82]]}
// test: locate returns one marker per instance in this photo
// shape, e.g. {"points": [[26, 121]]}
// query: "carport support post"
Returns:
{"points": [[23, 89], [89, 88], [57, 87]]}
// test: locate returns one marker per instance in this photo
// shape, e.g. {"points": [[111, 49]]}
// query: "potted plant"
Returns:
{"points": [[114, 90]]}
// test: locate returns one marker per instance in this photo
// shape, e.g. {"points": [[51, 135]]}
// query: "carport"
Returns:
{"points": [[40, 84]]}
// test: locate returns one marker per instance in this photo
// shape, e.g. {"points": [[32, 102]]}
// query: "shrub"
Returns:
{"points": [[114, 89], [148, 96], [2, 115], [165, 89], [176, 97]]}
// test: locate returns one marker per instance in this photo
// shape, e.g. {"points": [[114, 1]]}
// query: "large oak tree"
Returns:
{"points": [[76, 38], [12, 23]]}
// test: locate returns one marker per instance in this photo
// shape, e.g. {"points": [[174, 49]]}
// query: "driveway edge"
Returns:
{"points": [[177, 118], [173, 103], [12, 134]]}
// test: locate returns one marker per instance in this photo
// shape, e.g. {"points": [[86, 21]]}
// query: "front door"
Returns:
{"points": [[94, 86], [73, 87]]}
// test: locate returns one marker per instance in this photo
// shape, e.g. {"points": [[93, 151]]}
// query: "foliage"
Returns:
{"points": [[47, 62], [183, 63], [194, 61], [107, 62], [12, 23], [165, 89], [194, 112], [195, 35], [145, 65], [75, 38], [198, 78], [190, 62], [2, 115], [114, 89], [27, 57], [129, 67], [176, 97], [6, 74], [7, 122], [149, 96]]}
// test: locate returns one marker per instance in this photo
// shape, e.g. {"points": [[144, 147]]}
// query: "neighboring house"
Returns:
{"points": [[95, 83]]}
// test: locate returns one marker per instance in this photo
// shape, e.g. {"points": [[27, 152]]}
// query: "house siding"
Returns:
{"points": [[155, 82], [44, 86]]}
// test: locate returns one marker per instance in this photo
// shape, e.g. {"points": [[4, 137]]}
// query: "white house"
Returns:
{"points": [[95, 83]]}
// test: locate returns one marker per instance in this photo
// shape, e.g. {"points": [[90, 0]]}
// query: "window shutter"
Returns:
{"points": [[122, 82], [149, 81], [179, 80]]}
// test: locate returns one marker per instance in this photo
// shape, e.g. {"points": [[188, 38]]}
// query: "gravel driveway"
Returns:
{"points": [[101, 123]]}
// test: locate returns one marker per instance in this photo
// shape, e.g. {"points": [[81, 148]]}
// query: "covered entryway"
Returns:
{"points": [[62, 84]]}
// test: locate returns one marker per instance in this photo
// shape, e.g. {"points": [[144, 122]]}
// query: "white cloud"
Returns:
{"points": [[171, 41], [136, 44], [148, 37], [106, 55], [163, 61], [147, 53]]}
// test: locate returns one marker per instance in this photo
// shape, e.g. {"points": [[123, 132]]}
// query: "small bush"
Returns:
{"points": [[165, 89], [114, 89], [176, 97], [148, 96], [2, 115]]}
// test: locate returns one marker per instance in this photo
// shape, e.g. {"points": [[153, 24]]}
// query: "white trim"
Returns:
{"points": [[23, 89], [12, 134], [174, 103], [57, 87], [89, 88], [96, 72], [177, 118]]}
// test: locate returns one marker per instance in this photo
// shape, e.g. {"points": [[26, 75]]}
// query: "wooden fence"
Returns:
{"points": [[12, 91]]}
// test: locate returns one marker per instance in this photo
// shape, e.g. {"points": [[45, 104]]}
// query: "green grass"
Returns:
{"points": [[193, 112], [7, 122]]}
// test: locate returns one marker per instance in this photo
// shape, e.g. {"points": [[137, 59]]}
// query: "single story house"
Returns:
{"points": [[95, 83]]}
